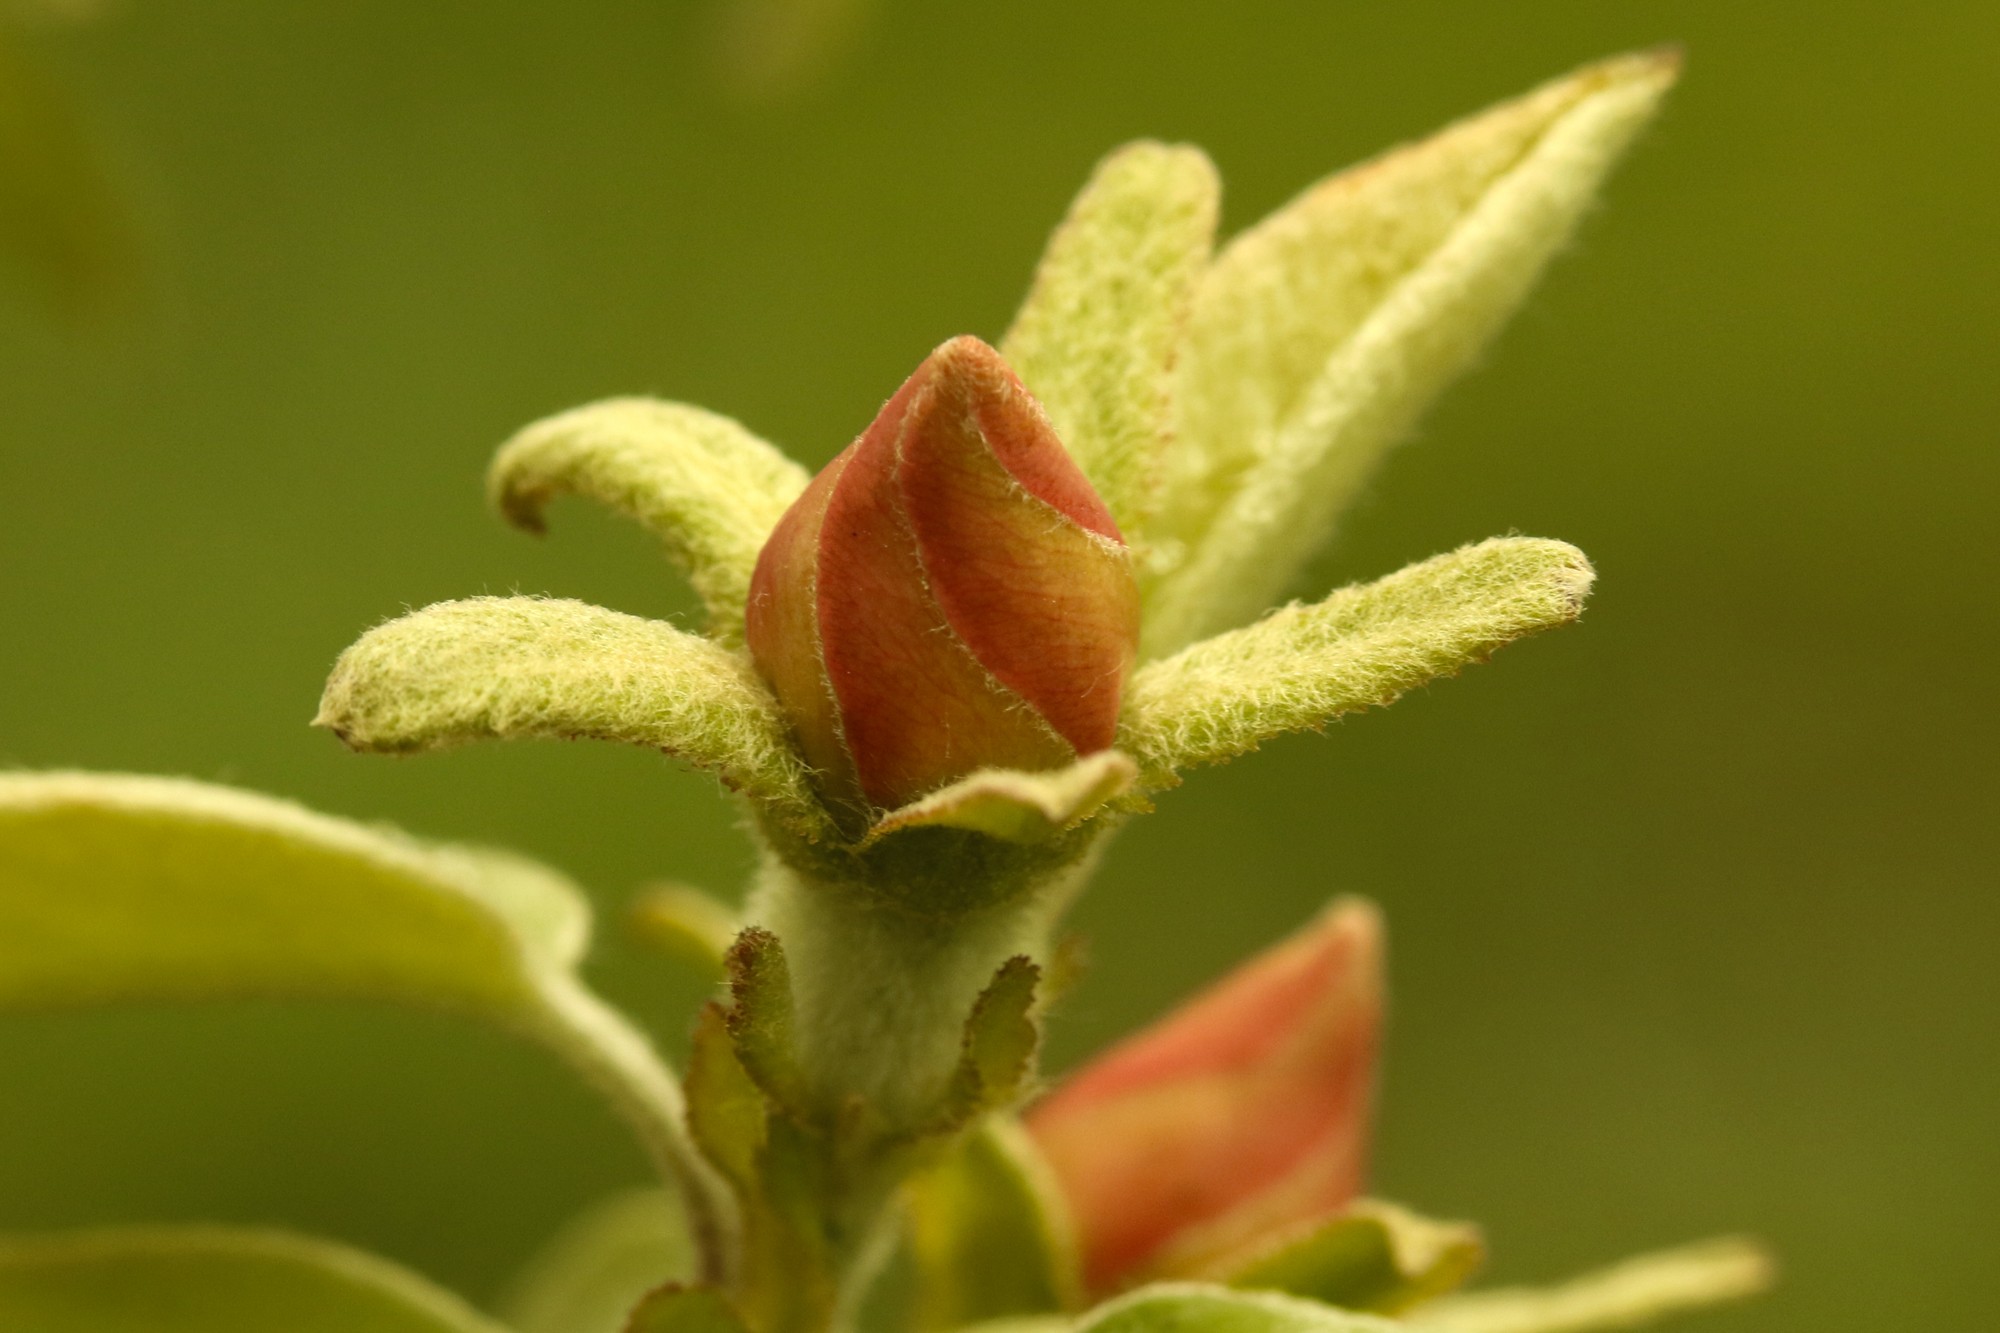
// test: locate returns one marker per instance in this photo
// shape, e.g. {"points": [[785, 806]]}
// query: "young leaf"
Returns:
{"points": [[1016, 806], [1000, 1041], [684, 922], [1374, 1256], [1320, 334], [1637, 1291], [760, 1019], [133, 889], [679, 1309], [705, 486], [505, 667], [987, 1234], [588, 1276], [726, 1111], [1303, 666], [1095, 340], [1193, 1307], [215, 1280]]}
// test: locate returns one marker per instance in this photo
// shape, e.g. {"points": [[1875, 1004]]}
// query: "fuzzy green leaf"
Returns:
{"points": [[726, 1111], [1302, 666], [590, 1274], [1017, 806], [215, 1280], [705, 486], [1096, 338], [1321, 333], [999, 1049], [134, 889], [1626, 1295], [988, 1235], [1375, 1256], [506, 667], [1193, 1307], [678, 1309], [760, 1019]]}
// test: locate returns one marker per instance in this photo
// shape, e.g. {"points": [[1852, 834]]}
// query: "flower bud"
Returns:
{"points": [[1241, 1113], [948, 594]]}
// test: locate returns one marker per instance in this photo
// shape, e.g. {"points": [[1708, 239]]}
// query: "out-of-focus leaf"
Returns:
{"points": [[61, 222], [1194, 1307], [215, 1280], [591, 1273], [1375, 1256], [678, 1309], [1625, 1295], [987, 1235], [683, 921], [129, 889]]}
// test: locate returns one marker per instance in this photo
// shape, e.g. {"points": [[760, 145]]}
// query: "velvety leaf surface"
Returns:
{"points": [[215, 1280]]}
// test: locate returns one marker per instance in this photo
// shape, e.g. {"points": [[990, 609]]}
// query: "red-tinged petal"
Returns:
{"points": [[1243, 1111], [1021, 554]]}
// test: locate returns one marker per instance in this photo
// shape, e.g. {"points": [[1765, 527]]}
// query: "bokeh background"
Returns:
{"points": [[1693, 905]]}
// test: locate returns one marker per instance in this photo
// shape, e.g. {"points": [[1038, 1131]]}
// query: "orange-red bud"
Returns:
{"points": [[949, 594], [1241, 1113]]}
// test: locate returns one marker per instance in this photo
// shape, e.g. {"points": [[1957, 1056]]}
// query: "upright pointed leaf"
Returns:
{"points": [[1320, 334], [705, 486], [504, 667], [1303, 666], [590, 1274], [1096, 338], [987, 1234], [1626, 1295], [760, 1019], [135, 889], [215, 1280]]}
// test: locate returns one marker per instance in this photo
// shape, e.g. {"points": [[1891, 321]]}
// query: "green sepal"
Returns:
{"points": [[726, 1110], [999, 1046], [215, 1280], [987, 1234], [680, 1309], [1374, 1256], [760, 1020]]}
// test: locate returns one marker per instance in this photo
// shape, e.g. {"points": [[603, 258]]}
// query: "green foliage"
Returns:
{"points": [[590, 1274], [1096, 339], [1375, 1257], [215, 1280], [705, 486], [999, 1047], [1014, 806], [1321, 333], [1191, 1307], [987, 1234], [1637, 1291], [1303, 666], [509, 667]]}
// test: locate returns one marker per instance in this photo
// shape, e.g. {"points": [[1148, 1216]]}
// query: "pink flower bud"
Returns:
{"points": [[949, 594], [1243, 1112]]}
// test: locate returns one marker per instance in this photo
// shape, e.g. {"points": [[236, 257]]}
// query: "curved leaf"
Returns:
{"points": [[122, 889], [1193, 1307], [1096, 338], [215, 1280], [591, 1273], [1625, 1295], [1320, 334], [1303, 666], [1373, 1256], [1017, 806], [496, 668], [704, 485]]}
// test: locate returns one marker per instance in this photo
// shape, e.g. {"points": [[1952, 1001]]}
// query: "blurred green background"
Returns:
{"points": [[1693, 905]]}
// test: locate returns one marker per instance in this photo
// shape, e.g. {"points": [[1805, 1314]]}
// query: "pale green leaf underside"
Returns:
{"points": [[708, 488], [1626, 1295], [215, 1280], [121, 889], [1017, 806], [506, 667], [987, 1234], [1193, 1307], [1321, 333], [1302, 666], [1375, 1257], [591, 1273], [1095, 340]]}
